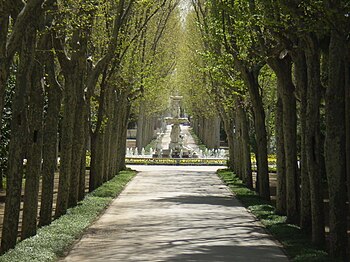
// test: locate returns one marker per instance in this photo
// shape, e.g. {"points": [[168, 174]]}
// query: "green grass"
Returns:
{"points": [[53, 240], [296, 244]]}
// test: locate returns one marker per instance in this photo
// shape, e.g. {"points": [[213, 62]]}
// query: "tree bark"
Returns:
{"points": [[228, 127], [82, 173], [300, 73], [100, 156], [251, 79], [281, 196], [95, 174], [92, 174], [335, 147], [50, 142], [122, 143], [237, 147], [77, 150], [313, 141], [347, 121], [121, 123], [108, 141], [235, 144], [34, 157], [283, 70], [111, 135], [16, 150], [10, 42], [69, 102], [140, 127], [246, 160], [79, 133]]}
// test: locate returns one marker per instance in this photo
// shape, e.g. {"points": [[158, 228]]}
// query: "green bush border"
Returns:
{"points": [[53, 240], [296, 244]]}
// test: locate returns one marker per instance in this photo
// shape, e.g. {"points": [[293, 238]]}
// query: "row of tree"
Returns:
{"points": [[302, 47], [72, 71]]}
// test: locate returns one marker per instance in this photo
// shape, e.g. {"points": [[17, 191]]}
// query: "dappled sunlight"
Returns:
{"points": [[173, 214]]}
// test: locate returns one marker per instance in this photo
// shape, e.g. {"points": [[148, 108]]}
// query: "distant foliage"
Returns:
{"points": [[6, 123]]}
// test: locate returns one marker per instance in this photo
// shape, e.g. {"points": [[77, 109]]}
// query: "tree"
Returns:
{"points": [[335, 145], [16, 150]]}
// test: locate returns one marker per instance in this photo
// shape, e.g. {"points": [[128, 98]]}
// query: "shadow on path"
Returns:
{"points": [[171, 215]]}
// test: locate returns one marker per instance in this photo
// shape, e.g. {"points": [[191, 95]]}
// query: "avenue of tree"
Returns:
{"points": [[74, 73], [70, 72], [277, 73]]}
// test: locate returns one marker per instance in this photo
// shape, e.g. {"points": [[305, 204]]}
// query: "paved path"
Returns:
{"points": [[176, 214]]}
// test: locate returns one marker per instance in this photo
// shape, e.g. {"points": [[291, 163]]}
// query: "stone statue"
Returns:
{"points": [[175, 120]]}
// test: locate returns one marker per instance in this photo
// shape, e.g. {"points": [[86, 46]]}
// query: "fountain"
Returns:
{"points": [[176, 138], [173, 143]]}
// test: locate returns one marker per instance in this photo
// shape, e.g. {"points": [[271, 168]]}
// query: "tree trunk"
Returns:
{"points": [[123, 141], [347, 119], [95, 139], [34, 157], [79, 58], [69, 102], [93, 170], [238, 148], [260, 132], [100, 155], [140, 127], [123, 132], [235, 145], [78, 143], [347, 123], [108, 161], [16, 150], [246, 160], [281, 196], [111, 149], [283, 70], [301, 85], [82, 173], [228, 127], [216, 135], [105, 163], [312, 140], [121, 121], [335, 148], [96, 170], [50, 143]]}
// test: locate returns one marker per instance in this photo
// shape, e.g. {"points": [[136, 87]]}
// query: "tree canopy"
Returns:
{"points": [[275, 74]]}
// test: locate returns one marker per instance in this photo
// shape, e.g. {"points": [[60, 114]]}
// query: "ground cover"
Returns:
{"points": [[296, 244], [55, 239]]}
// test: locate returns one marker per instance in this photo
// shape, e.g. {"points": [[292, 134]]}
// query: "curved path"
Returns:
{"points": [[176, 214]]}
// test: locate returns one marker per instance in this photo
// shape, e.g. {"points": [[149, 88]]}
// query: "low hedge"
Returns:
{"points": [[53, 240], [296, 243]]}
